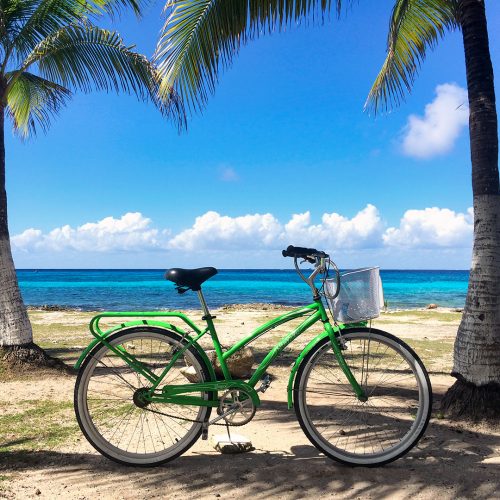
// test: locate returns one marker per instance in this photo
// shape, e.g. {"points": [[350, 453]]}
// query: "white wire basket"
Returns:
{"points": [[361, 295]]}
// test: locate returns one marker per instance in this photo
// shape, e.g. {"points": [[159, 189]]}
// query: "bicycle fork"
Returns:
{"points": [[358, 390]]}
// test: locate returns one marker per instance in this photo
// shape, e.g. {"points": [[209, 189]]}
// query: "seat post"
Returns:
{"points": [[204, 307], [210, 323]]}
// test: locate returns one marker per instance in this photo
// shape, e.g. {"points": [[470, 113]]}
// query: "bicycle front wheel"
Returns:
{"points": [[114, 417], [372, 432]]}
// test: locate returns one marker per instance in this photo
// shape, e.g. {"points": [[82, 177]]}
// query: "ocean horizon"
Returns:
{"points": [[146, 289]]}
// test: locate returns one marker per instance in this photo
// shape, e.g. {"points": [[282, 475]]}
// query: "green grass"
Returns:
{"points": [[42, 424], [437, 355], [60, 332], [417, 316], [3, 484], [435, 347]]}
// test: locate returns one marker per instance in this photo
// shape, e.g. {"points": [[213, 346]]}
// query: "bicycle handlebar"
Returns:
{"points": [[309, 254], [312, 256]]}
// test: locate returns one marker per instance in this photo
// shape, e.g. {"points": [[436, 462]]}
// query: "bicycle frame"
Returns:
{"points": [[178, 394]]}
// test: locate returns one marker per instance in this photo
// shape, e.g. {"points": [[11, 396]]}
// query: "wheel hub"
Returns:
{"points": [[139, 397]]}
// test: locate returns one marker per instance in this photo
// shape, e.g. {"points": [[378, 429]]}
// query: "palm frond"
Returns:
{"points": [[32, 102], [86, 57], [113, 7], [415, 26], [11, 15], [38, 19], [200, 38]]}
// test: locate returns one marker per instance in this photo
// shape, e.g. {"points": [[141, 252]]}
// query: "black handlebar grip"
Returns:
{"points": [[302, 252]]}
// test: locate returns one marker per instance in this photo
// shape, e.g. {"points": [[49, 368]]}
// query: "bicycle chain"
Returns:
{"points": [[183, 418]]}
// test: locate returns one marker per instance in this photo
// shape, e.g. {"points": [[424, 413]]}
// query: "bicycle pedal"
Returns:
{"points": [[265, 383], [204, 432]]}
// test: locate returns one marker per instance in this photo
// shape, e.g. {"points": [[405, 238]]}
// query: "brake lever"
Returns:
{"points": [[311, 260]]}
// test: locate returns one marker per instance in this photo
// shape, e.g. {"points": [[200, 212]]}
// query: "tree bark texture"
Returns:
{"points": [[476, 363], [15, 328]]}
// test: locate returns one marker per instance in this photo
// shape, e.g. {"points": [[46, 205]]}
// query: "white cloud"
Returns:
{"points": [[436, 132], [364, 230], [217, 232], [224, 239], [130, 232], [26, 239], [432, 227], [228, 174]]}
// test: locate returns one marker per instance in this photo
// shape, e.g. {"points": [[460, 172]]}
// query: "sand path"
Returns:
{"points": [[449, 462]]}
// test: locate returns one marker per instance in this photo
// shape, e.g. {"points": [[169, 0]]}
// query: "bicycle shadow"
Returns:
{"points": [[449, 460]]}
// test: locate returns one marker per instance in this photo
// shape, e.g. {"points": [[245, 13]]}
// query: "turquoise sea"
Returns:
{"points": [[135, 290]]}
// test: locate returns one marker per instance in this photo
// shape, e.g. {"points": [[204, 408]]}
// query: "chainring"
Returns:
{"points": [[236, 407]]}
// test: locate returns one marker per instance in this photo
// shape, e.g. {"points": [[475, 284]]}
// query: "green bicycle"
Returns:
{"points": [[146, 389]]}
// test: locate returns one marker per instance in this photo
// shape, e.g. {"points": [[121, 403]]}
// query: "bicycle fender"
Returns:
{"points": [[334, 331], [298, 362], [158, 324]]}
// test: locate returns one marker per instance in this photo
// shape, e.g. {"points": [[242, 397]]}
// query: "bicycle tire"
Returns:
{"points": [[122, 402], [321, 404]]}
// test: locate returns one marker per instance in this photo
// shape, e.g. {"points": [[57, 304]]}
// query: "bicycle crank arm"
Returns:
{"points": [[231, 410]]}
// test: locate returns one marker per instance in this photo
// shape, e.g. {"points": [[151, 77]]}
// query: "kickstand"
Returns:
{"points": [[228, 433]]}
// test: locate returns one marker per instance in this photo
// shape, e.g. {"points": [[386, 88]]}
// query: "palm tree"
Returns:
{"points": [[199, 40], [49, 49]]}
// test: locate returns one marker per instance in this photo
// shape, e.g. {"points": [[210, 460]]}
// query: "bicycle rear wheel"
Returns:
{"points": [[376, 431], [116, 420]]}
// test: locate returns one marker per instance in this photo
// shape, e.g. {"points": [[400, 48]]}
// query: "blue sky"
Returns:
{"points": [[284, 135]]}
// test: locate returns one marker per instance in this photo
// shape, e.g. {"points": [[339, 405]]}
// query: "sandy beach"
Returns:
{"points": [[43, 453]]}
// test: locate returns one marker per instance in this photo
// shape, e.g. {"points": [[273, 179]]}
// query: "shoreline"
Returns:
{"points": [[249, 306]]}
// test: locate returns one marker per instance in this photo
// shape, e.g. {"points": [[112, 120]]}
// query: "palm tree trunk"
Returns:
{"points": [[16, 338], [15, 328], [476, 393]]}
